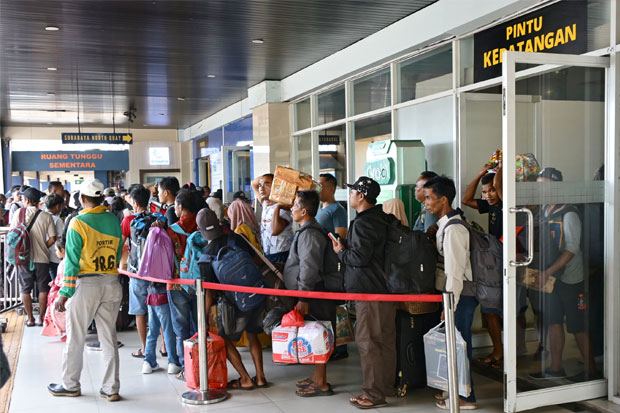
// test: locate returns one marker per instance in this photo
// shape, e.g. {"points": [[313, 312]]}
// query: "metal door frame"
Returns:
{"points": [[514, 401]]}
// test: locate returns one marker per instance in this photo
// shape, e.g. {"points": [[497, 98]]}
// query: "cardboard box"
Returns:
{"points": [[311, 344], [286, 183]]}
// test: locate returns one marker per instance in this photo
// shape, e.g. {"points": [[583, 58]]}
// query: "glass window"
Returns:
{"points": [[333, 153], [432, 123], [303, 153], [302, 110], [372, 92], [332, 105], [426, 74], [367, 131], [239, 133]]}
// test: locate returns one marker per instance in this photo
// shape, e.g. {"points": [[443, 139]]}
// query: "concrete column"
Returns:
{"points": [[271, 137]]}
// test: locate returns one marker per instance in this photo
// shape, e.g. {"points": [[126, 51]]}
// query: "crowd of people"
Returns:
{"points": [[78, 246]]}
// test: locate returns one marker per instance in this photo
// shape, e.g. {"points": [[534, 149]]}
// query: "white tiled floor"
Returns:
{"points": [[40, 363]]}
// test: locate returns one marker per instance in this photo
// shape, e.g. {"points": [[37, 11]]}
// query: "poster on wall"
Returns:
{"points": [[217, 171], [560, 28]]}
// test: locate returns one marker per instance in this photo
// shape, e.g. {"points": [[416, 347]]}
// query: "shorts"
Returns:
{"points": [[249, 321], [137, 296], [27, 278], [563, 302]]}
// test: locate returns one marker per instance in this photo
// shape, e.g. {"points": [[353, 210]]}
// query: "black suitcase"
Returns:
{"points": [[123, 320], [410, 361]]}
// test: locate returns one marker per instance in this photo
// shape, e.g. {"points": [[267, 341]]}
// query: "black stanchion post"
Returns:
{"points": [[204, 395], [453, 382]]}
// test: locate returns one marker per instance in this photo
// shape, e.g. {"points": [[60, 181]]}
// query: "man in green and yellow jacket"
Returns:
{"points": [[93, 249]]}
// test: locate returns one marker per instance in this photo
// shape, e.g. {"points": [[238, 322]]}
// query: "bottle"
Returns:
{"points": [[581, 302]]}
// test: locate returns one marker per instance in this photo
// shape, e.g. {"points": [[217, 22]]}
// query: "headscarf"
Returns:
{"points": [[396, 207], [216, 205], [240, 212]]}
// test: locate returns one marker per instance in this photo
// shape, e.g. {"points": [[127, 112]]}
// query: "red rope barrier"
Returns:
{"points": [[430, 298]]}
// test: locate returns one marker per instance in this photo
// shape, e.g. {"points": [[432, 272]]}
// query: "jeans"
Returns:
{"points": [[463, 318], [184, 312], [160, 316]]}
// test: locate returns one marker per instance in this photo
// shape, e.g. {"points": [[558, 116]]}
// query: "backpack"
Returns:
{"points": [[235, 266], [139, 231], [331, 271], [158, 255], [487, 265], [410, 260], [188, 268], [18, 241]]}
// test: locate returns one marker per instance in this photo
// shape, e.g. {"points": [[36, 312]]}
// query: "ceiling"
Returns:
{"points": [[156, 56]]}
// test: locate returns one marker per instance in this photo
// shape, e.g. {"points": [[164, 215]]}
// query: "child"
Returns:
{"points": [[54, 323], [159, 316]]}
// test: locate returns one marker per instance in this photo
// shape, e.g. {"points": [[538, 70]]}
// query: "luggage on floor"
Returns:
{"points": [[437, 360], [311, 344], [216, 356], [410, 362], [123, 320]]}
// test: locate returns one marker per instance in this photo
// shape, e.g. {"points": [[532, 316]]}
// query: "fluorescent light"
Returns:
{"points": [[53, 69], [52, 28], [258, 41], [210, 76], [245, 143], [180, 98]]}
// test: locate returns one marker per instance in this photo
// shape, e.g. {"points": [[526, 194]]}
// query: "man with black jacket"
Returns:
{"points": [[363, 257]]}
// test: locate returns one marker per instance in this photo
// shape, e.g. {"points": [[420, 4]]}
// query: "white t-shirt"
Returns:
{"points": [[279, 243], [60, 227], [42, 230]]}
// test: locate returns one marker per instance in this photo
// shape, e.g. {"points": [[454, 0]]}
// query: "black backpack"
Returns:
{"points": [[410, 260], [487, 265], [139, 231]]}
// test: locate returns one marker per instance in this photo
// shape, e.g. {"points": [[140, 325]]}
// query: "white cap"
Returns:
{"points": [[92, 187]]}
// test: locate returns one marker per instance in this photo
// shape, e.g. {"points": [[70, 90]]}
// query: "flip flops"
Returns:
{"points": [[139, 354], [364, 402], [492, 361], [30, 323], [260, 386], [445, 405], [236, 385], [314, 391]]}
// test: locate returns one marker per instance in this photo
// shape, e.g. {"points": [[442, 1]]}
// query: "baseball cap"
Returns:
{"points": [[239, 195], [208, 224], [92, 187], [23, 188], [367, 186], [551, 173], [32, 194]]}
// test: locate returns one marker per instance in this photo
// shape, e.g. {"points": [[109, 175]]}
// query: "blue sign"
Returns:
{"points": [[106, 138], [70, 161]]}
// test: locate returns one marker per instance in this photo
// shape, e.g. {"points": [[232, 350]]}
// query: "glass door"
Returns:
{"points": [[238, 169], [554, 229]]}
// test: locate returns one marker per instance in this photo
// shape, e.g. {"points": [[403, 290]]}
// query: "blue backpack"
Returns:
{"points": [[188, 267], [235, 266]]}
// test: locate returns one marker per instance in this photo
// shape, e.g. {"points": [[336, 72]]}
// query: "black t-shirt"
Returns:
{"points": [[496, 219], [171, 216], [206, 270]]}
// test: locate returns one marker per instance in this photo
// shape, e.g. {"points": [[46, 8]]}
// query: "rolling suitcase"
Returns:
{"points": [[410, 361]]}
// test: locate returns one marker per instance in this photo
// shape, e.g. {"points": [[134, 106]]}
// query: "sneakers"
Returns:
{"points": [[109, 397], [173, 368], [148, 369], [548, 375], [59, 391]]}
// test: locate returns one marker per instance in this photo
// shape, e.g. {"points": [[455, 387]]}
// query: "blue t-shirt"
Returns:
{"points": [[332, 216]]}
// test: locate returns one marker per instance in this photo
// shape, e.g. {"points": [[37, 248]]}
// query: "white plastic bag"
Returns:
{"points": [[437, 360]]}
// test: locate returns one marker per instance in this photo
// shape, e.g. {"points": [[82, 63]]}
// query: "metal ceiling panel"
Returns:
{"points": [[113, 55]]}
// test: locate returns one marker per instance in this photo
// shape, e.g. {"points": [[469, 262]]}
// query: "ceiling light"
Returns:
{"points": [[53, 69], [145, 125], [258, 41], [210, 76], [52, 28], [180, 98], [49, 123]]}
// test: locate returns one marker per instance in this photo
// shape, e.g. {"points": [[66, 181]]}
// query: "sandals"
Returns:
{"points": [[364, 402], [445, 405], [139, 354], [314, 391], [302, 384], [30, 323], [236, 385], [492, 361], [260, 386], [163, 353]]}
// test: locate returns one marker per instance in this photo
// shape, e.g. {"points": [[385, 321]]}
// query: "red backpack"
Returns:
{"points": [[18, 240]]}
